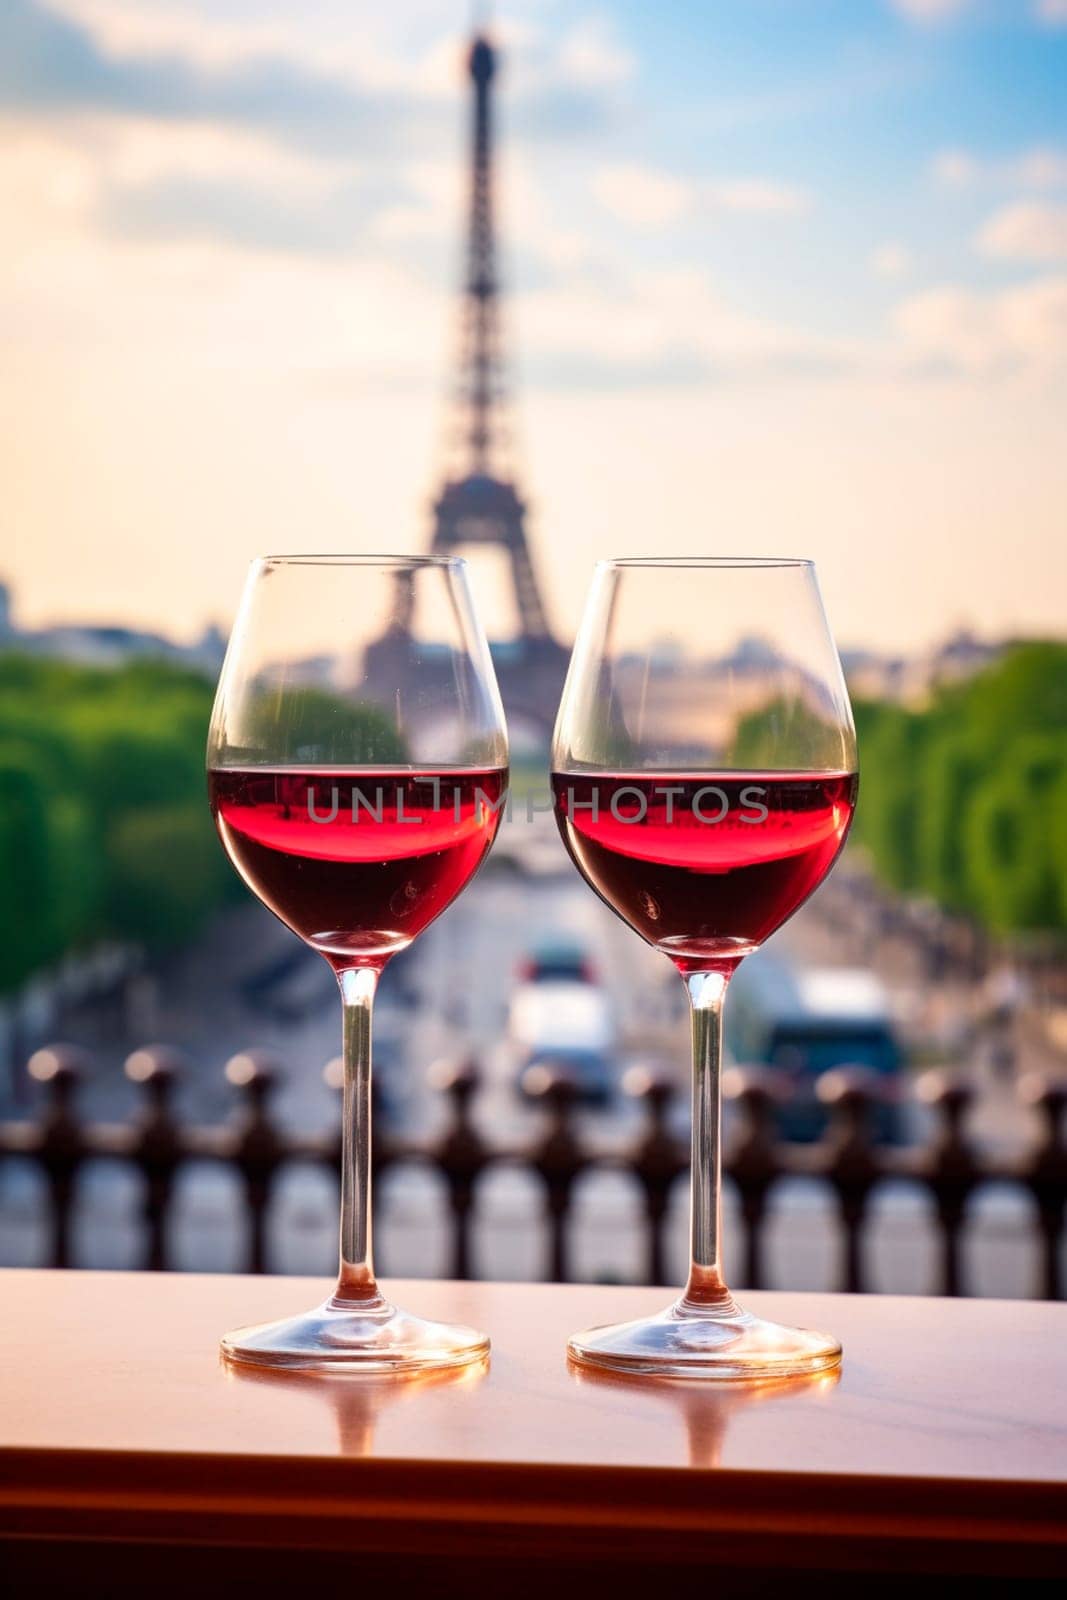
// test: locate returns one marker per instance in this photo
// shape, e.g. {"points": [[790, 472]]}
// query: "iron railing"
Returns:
{"points": [[847, 1159]]}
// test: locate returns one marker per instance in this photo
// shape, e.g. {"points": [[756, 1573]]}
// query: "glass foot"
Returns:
{"points": [[720, 1342], [353, 1336]]}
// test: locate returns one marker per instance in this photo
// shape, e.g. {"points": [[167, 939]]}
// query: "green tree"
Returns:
{"points": [[891, 751], [165, 867], [948, 782], [49, 883], [104, 824], [966, 799], [1011, 873]]}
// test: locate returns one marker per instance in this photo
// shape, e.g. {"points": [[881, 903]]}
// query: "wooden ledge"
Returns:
{"points": [[942, 1447]]}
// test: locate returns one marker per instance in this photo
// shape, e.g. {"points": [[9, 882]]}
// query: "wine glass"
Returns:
{"points": [[704, 777], [357, 770]]}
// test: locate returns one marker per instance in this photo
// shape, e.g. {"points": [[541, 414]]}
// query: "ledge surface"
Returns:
{"points": [[942, 1446]]}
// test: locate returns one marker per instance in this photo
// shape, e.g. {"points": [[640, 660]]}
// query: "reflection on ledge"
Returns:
{"points": [[706, 1409], [357, 1401]]}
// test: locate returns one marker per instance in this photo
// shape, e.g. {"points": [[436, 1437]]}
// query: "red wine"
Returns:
{"points": [[356, 862], [704, 867]]}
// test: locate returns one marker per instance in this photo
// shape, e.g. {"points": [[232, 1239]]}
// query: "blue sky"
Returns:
{"points": [[782, 270], [853, 102]]}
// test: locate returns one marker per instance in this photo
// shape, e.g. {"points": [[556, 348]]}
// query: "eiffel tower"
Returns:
{"points": [[480, 505]]}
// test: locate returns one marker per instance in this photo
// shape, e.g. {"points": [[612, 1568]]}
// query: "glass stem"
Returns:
{"points": [[356, 1277], [706, 1288]]}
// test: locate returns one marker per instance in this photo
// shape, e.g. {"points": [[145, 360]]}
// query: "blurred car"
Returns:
{"points": [[557, 961], [564, 1023], [805, 1021]]}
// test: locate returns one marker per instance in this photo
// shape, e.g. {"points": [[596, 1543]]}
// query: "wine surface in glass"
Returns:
{"points": [[357, 862], [704, 866]]}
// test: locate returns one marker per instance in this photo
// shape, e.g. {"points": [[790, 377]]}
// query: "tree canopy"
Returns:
{"points": [[105, 830], [966, 799]]}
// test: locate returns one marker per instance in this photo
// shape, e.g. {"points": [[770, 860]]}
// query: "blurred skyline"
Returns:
{"points": [[782, 278]]}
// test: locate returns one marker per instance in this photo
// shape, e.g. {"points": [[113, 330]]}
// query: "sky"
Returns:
{"points": [[786, 277]]}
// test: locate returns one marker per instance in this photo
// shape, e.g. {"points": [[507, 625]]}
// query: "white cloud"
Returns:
{"points": [[1026, 232], [432, 208], [72, 295], [63, 168], [642, 196], [356, 75], [755, 195], [72, 292], [1053, 13], [141, 150], [563, 248], [657, 324], [926, 11], [1041, 167], [592, 55], [982, 333], [347, 48], [646, 197], [956, 168], [413, 52], [124, 30], [891, 261], [92, 176]]}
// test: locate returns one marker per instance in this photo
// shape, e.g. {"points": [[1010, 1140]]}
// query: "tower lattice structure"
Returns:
{"points": [[479, 503]]}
